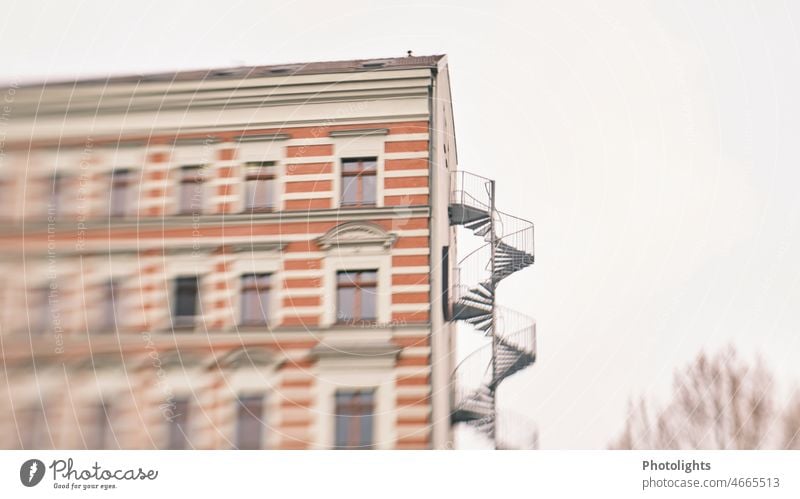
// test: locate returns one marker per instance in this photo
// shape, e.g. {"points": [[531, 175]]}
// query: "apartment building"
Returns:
{"points": [[253, 258]]}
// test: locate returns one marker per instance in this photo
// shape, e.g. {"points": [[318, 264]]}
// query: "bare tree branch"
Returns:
{"points": [[718, 402]]}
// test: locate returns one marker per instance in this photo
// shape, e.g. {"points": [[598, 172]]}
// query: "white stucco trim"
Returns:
{"points": [[357, 147], [254, 381], [273, 150], [358, 258], [336, 374], [259, 262]]}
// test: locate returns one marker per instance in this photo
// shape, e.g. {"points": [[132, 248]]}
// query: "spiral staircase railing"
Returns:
{"points": [[508, 248]]}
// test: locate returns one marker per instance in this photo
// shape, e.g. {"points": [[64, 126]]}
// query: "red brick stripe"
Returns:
{"points": [[407, 146], [309, 150], [405, 182]]}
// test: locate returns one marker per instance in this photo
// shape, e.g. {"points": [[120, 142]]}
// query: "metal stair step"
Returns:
{"points": [[482, 291], [466, 311], [462, 214], [477, 300]]}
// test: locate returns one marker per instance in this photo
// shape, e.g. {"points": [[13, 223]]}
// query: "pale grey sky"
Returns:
{"points": [[653, 144]]}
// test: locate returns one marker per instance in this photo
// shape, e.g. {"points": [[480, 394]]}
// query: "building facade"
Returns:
{"points": [[260, 257]]}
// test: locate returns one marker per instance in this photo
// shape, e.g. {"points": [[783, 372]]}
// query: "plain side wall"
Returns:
{"points": [[443, 162]]}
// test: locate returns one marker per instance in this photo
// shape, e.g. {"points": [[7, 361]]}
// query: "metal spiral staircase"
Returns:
{"points": [[507, 248]]}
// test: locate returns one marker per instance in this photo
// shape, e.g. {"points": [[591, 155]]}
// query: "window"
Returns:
{"points": [[109, 315], [446, 308], [178, 425], [355, 411], [255, 299], [185, 303], [356, 296], [359, 181], [191, 190], [102, 427], [119, 193], [260, 186], [248, 422]]}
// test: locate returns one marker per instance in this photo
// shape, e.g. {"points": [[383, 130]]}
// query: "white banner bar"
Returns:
{"points": [[397, 474]]}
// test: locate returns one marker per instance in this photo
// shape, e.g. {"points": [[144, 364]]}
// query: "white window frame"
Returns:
{"points": [[339, 374], [266, 150], [369, 146], [250, 381], [206, 189], [182, 265], [358, 258], [259, 262]]}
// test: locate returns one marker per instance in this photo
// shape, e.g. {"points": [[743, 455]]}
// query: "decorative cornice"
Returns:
{"points": [[154, 136], [246, 357], [362, 132], [356, 234], [258, 246], [263, 137], [177, 359], [196, 141], [356, 350], [32, 226], [129, 346]]}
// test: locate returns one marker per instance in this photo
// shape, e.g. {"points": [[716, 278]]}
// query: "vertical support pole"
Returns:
{"points": [[493, 242]]}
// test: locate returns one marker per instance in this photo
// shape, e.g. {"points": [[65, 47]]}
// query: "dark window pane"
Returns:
{"points": [[354, 419], [349, 190], [255, 299], [359, 181], [446, 307], [345, 301], [356, 295], [350, 165], [254, 307], [342, 429], [260, 194], [110, 299], [191, 197], [366, 422], [250, 307], [185, 303], [368, 189], [120, 192], [359, 165], [178, 425], [249, 422], [368, 303], [191, 190]]}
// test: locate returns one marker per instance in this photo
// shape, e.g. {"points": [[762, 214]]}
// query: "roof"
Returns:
{"points": [[239, 72]]}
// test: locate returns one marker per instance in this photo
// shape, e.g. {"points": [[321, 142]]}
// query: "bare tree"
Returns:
{"points": [[791, 423], [719, 402]]}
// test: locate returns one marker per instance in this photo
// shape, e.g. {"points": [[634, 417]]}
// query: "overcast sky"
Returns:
{"points": [[654, 144]]}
